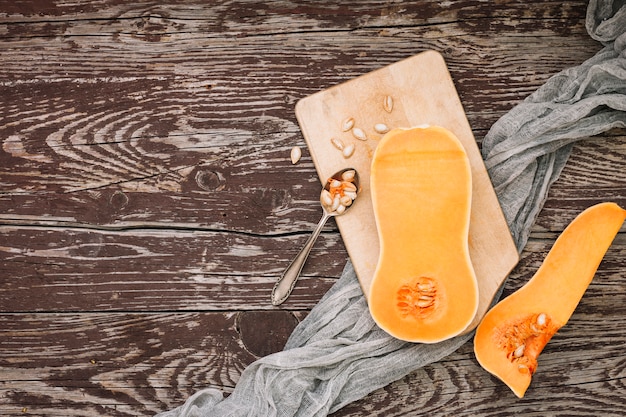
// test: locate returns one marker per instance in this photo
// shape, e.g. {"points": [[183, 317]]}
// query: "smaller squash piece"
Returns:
{"points": [[424, 288], [514, 332]]}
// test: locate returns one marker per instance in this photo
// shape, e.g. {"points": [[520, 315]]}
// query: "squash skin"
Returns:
{"points": [[554, 291], [421, 194]]}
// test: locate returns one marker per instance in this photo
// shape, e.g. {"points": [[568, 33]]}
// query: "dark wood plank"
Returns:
{"points": [[211, 269], [96, 150], [593, 174], [133, 364], [113, 364], [79, 270]]}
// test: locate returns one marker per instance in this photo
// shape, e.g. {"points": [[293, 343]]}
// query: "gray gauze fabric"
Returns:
{"points": [[337, 354]]}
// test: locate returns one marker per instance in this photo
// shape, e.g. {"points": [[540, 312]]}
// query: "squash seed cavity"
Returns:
{"points": [[417, 298], [523, 340]]}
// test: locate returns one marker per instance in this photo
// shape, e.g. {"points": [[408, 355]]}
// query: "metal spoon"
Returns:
{"points": [[345, 184]]}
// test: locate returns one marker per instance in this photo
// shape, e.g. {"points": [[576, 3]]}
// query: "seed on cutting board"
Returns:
{"points": [[337, 143], [340, 194], [296, 153], [348, 150], [347, 124], [359, 133], [381, 128], [388, 104]]}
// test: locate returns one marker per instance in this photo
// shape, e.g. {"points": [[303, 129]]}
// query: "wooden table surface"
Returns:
{"points": [[148, 203]]}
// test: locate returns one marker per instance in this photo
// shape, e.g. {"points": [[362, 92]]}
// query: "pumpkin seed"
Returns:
{"points": [[336, 203], [337, 143], [351, 194], [348, 175], [348, 150], [348, 186], [327, 199], [359, 133], [519, 352], [296, 153], [388, 104], [346, 201], [347, 124], [541, 319], [424, 303], [381, 128]]}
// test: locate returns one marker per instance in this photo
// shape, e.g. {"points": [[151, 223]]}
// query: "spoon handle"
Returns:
{"points": [[287, 281]]}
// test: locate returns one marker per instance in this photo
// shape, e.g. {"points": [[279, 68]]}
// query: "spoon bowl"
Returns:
{"points": [[339, 192], [336, 198]]}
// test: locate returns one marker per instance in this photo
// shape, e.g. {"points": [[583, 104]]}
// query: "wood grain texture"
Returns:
{"points": [[148, 204]]}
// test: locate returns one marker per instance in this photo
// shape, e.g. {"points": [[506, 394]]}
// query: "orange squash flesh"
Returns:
{"points": [[514, 332], [424, 288]]}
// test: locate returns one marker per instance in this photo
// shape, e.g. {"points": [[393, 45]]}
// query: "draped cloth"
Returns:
{"points": [[337, 354]]}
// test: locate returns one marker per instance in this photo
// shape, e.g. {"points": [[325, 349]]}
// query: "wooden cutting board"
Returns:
{"points": [[423, 93]]}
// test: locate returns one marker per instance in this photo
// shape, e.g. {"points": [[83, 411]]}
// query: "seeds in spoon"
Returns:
{"points": [[340, 193]]}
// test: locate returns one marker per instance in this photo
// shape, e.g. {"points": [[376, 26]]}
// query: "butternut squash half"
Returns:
{"points": [[514, 332], [424, 288]]}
